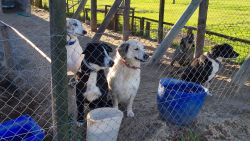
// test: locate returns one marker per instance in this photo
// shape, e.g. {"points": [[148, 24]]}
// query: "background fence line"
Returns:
{"points": [[142, 29]]}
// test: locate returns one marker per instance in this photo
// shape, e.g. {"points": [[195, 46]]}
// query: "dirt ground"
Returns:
{"points": [[225, 115]]}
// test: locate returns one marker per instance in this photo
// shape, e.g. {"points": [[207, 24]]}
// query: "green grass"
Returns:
{"points": [[187, 135], [230, 17]]}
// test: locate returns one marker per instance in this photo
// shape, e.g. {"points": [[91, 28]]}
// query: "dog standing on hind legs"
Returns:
{"points": [[74, 49], [124, 76], [183, 55]]}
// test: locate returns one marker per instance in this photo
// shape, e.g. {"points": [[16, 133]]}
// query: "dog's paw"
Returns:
{"points": [[79, 123], [130, 114]]}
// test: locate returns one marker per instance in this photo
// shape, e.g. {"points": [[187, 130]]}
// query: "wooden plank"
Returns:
{"points": [[161, 20], [6, 47], [93, 21], [79, 9], [106, 20], [126, 12], [243, 74], [202, 19], [166, 43], [59, 64]]}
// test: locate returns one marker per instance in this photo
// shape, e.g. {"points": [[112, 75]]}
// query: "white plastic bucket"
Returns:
{"points": [[103, 124]]}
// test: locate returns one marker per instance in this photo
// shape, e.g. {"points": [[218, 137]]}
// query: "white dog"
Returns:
{"points": [[124, 76], [74, 50]]}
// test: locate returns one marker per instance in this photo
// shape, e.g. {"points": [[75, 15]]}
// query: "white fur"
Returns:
{"points": [[107, 58], [74, 51], [74, 55], [124, 81], [215, 68], [92, 92]]}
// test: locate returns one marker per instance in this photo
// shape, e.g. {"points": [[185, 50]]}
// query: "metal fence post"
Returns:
{"points": [[59, 69]]}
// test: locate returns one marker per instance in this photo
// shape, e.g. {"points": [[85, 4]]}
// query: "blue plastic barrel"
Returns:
{"points": [[178, 101], [23, 128]]}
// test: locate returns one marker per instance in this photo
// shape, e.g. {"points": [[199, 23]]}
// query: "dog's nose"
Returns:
{"points": [[145, 57], [111, 63], [84, 32]]}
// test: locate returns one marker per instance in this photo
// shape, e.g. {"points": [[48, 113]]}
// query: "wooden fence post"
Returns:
{"points": [[132, 28], [116, 22], [38, 3], [6, 47], [86, 15], [141, 26], [167, 41], [147, 32], [79, 9], [126, 11], [59, 70], [106, 10], [84, 18], [67, 7], [106, 20], [161, 20], [93, 22], [201, 29]]}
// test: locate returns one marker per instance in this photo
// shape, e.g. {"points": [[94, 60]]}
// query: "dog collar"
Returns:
{"points": [[69, 42], [128, 65], [88, 65]]}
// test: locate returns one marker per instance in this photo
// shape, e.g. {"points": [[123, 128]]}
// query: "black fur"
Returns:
{"points": [[201, 68], [198, 71], [93, 54]]}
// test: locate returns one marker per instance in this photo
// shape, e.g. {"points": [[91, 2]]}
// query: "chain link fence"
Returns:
{"points": [[28, 85]]}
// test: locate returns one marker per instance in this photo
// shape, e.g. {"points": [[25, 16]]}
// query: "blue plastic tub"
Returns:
{"points": [[179, 101], [23, 128]]}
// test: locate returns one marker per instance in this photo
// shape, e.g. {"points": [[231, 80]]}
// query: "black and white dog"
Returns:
{"points": [[203, 69], [92, 86]]}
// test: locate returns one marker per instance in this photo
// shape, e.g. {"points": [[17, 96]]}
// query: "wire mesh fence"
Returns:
{"points": [[159, 109]]}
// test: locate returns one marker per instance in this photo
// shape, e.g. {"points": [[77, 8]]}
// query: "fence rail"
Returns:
{"points": [[144, 20]]}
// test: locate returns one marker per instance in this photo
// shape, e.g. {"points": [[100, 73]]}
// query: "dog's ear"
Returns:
{"points": [[107, 47], [88, 48], [227, 45], [123, 49]]}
